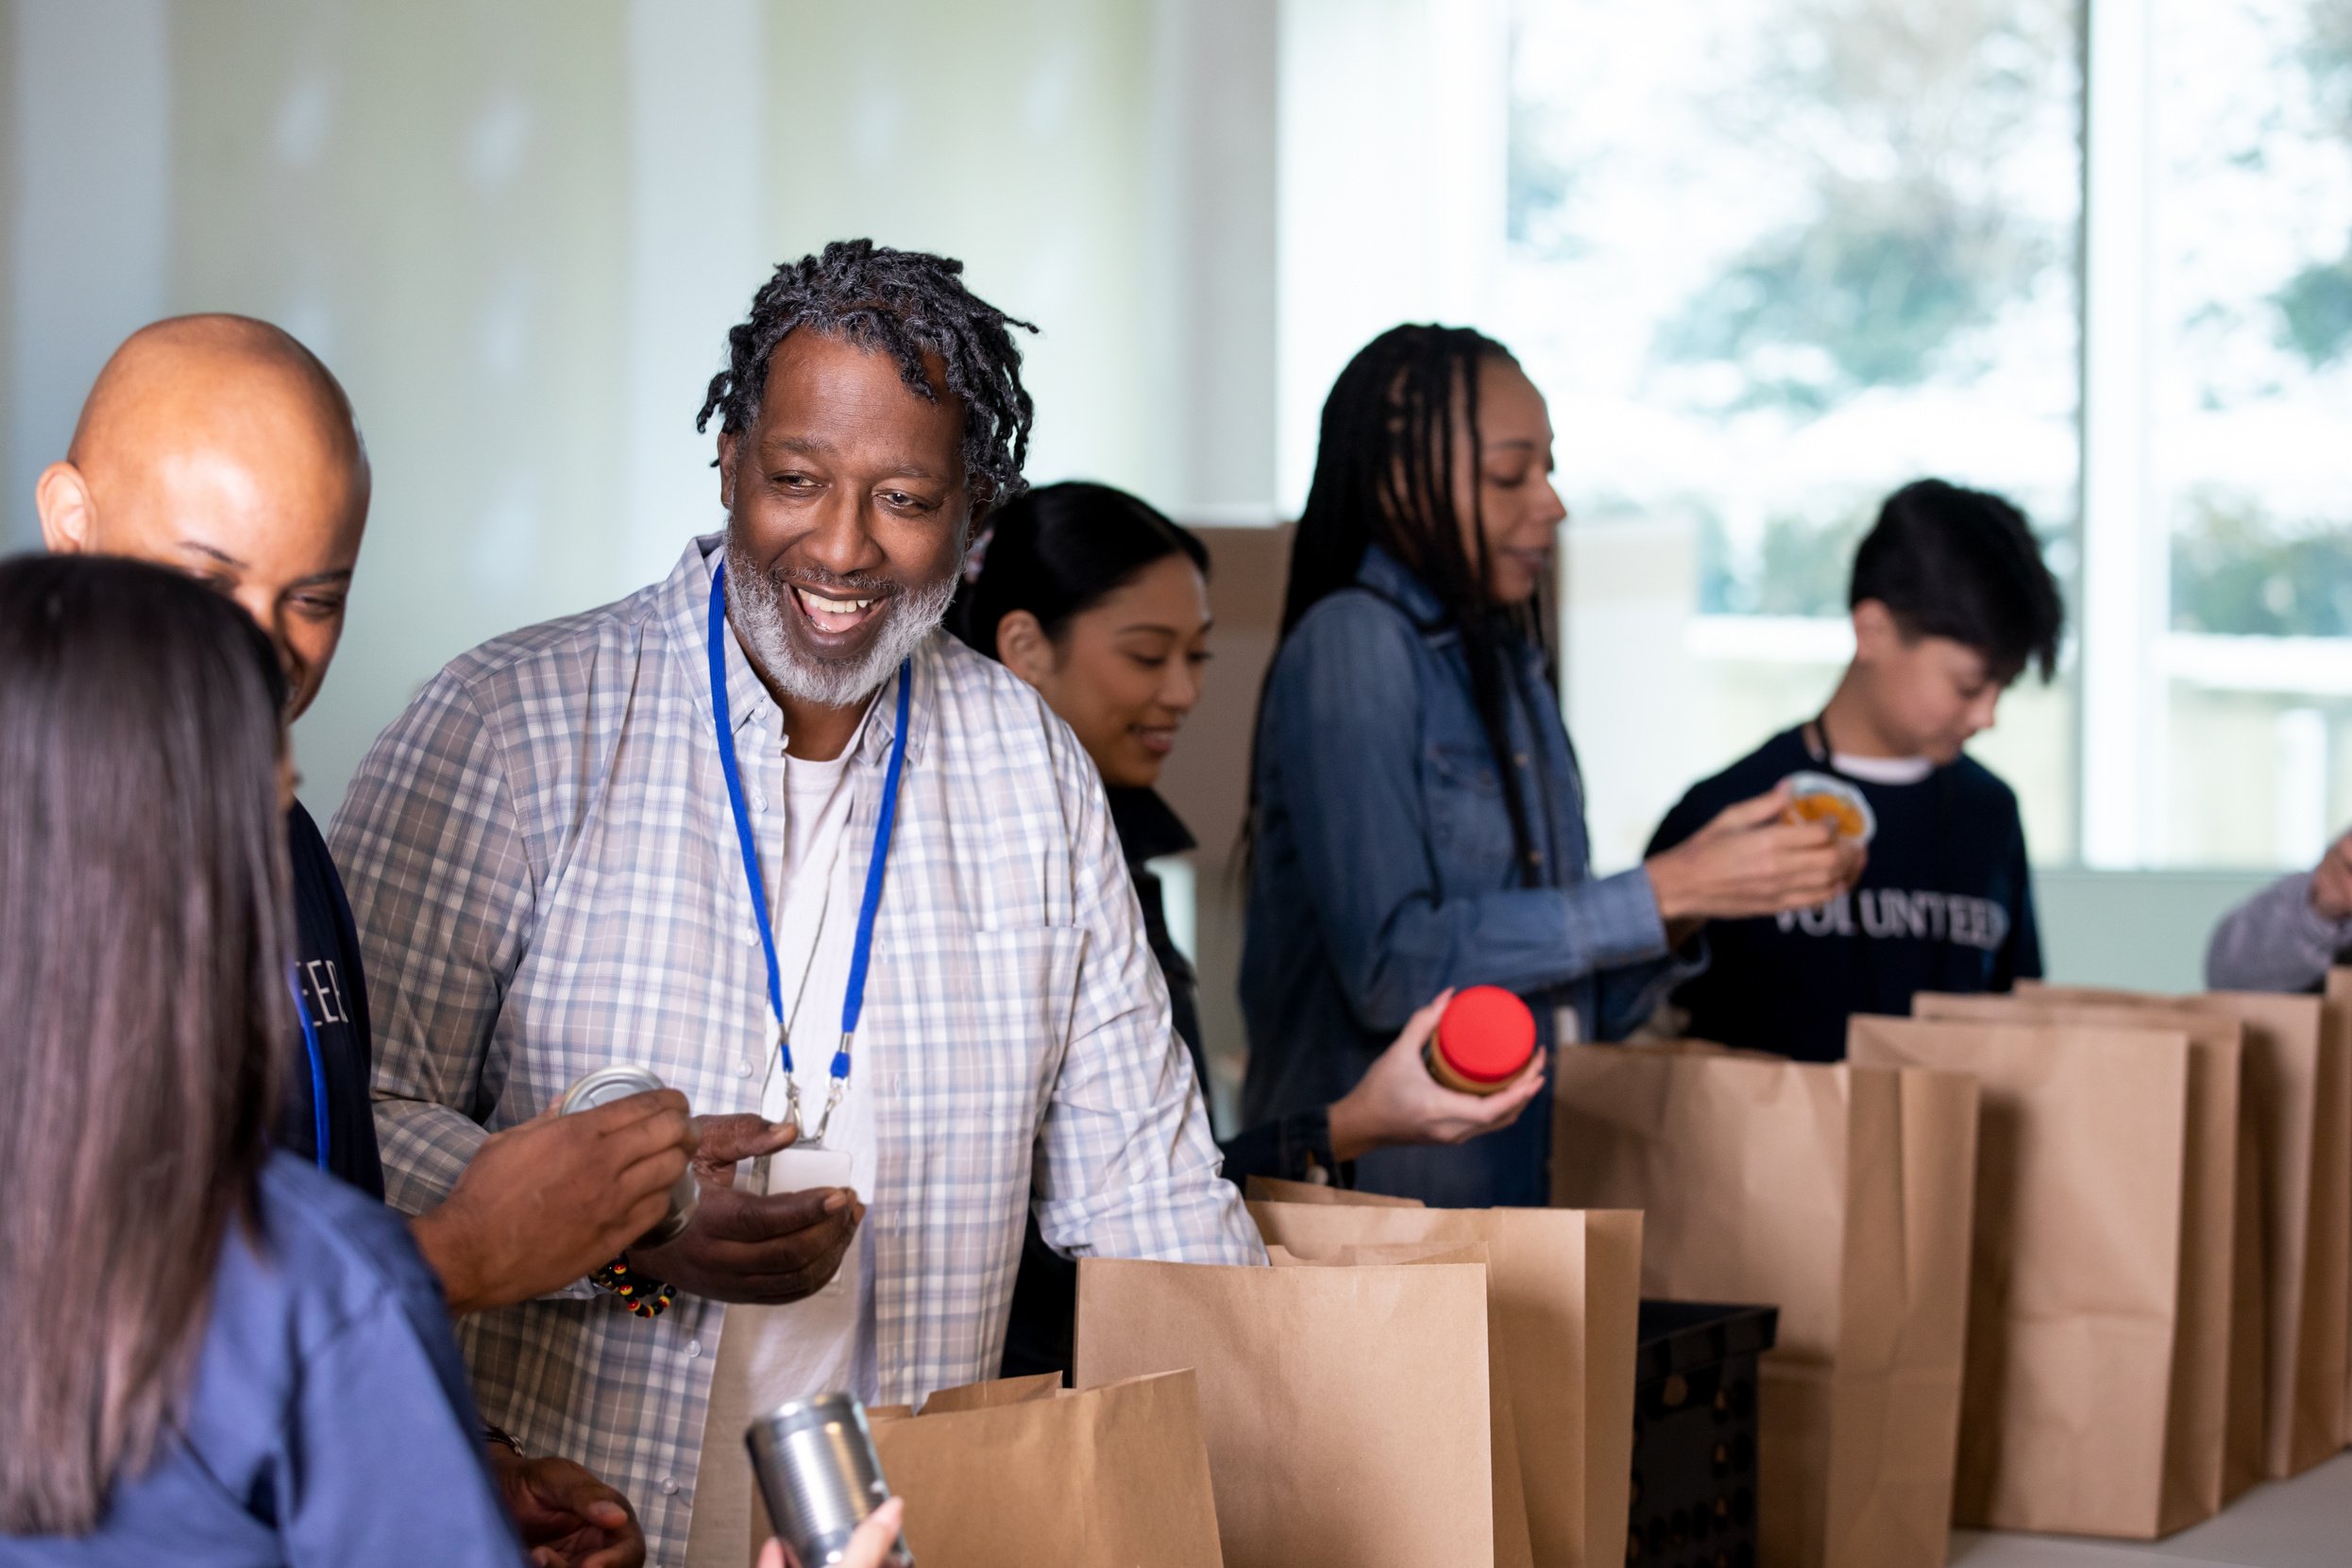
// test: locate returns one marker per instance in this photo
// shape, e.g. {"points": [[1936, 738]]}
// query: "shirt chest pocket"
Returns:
{"points": [[1469, 816], [978, 1022]]}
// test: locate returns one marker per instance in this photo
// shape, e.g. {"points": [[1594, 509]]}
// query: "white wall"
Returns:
{"points": [[2144, 931], [518, 231], [88, 154], [1393, 122], [698, 115]]}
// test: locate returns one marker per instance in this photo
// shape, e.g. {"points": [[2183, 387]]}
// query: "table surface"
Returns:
{"points": [[2306, 1522]]}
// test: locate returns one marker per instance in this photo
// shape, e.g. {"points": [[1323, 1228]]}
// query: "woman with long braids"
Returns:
{"points": [[1418, 817], [1099, 601]]}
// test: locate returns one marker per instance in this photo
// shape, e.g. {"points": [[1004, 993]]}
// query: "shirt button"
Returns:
{"points": [[669, 1487], [694, 1348], [1520, 758], [743, 1070], [750, 936]]}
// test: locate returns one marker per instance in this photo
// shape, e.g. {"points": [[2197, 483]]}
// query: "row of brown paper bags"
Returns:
{"points": [[2063, 1261], [2060, 1261], [1406, 1387]]}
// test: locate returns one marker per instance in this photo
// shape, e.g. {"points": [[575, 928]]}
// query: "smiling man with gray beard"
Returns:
{"points": [[763, 828], [760, 607]]}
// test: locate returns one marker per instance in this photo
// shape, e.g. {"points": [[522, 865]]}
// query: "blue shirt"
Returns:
{"points": [[1384, 872], [329, 1422]]}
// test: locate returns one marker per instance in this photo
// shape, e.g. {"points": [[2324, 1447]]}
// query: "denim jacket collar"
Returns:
{"points": [[1390, 577], [1393, 581]]}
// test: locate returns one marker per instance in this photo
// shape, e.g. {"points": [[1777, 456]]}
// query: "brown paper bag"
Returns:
{"points": [[1344, 1408], [1115, 1476], [2338, 998], [1511, 1549], [2218, 1369], [987, 1396], [2310, 1042], [1273, 1189], [2299, 1078], [1568, 1286], [2069, 1413], [1840, 1195]]}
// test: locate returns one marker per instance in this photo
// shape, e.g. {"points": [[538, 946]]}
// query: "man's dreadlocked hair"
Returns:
{"points": [[904, 303], [1385, 469]]}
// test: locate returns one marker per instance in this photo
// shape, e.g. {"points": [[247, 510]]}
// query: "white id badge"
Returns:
{"points": [[803, 1166]]}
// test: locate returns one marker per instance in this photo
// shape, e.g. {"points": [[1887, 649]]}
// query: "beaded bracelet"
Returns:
{"points": [[643, 1296]]}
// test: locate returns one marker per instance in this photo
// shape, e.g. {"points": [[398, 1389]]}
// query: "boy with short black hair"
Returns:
{"points": [[1951, 602]]}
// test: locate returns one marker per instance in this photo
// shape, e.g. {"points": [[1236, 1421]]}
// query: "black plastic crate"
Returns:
{"points": [[1695, 1434]]}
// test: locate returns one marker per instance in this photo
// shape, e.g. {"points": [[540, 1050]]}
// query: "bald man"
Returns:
{"points": [[221, 446]]}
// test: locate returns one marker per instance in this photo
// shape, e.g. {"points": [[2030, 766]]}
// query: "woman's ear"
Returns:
{"points": [[1023, 647]]}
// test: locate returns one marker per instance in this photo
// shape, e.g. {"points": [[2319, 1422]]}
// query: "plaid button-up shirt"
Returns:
{"points": [[547, 881]]}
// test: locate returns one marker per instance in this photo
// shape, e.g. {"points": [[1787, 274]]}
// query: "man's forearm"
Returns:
{"points": [[425, 1149], [451, 1253]]}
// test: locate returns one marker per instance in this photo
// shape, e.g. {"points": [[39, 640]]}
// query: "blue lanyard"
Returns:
{"points": [[853, 996], [319, 1068]]}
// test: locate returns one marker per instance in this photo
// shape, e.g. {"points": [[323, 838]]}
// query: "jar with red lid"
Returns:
{"points": [[1483, 1039]]}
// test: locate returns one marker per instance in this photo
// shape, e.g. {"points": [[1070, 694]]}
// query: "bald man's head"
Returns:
{"points": [[220, 446]]}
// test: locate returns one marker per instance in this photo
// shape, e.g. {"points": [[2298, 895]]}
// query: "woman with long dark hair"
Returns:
{"points": [[213, 1354], [1101, 602], [1417, 817]]}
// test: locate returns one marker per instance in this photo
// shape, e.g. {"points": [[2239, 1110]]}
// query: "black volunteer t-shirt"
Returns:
{"points": [[327, 973], [1945, 904]]}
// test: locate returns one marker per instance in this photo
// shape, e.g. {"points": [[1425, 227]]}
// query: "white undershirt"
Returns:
{"points": [[1883, 771], [769, 1355]]}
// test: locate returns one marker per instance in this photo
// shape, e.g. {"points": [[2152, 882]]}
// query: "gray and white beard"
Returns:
{"points": [[758, 609]]}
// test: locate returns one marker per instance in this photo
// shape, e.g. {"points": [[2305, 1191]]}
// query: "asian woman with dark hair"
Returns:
{"points": [[1102, 603], [1417, 817], [215, 1354]]}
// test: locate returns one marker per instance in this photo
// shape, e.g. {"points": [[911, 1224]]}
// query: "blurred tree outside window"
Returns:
{"points": [[2255, 248], [1770, 259], [2250, 277]]}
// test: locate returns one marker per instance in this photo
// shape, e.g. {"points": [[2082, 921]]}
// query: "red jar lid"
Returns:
{"points": [[1486, 1034]]}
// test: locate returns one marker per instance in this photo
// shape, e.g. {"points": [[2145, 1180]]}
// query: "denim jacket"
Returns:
{"points": [[1382, 873]]}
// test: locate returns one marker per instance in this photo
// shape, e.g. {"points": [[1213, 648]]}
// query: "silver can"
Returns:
{"points": [[820, 1475], [601, 1088]]}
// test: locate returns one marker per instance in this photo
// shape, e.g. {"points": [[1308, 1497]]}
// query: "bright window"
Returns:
{"points": [[1770, 259], [2249, 376]]}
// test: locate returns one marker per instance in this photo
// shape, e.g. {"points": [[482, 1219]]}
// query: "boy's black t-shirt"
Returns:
{"points": [[327, 973], [1945, 904]]}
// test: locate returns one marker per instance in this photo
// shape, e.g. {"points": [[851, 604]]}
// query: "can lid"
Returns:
{"points": [[821, 1409], [606, 1085], [1486, 1034], [1825, 797]]}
